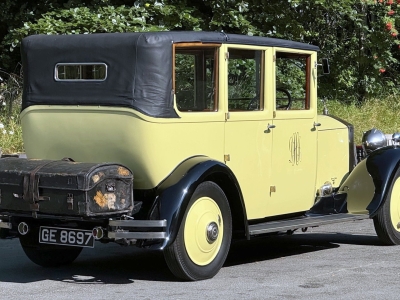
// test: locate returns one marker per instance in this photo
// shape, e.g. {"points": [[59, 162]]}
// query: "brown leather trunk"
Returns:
{"points": [[64, 188]]}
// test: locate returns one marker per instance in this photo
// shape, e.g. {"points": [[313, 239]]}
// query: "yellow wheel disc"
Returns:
{"points": [[395, 205], [203, 231]]}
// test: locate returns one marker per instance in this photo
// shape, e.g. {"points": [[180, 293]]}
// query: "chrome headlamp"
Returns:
{"points": [[373, 139], [396, 138]]}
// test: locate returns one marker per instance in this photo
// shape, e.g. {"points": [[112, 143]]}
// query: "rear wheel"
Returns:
{"points": [[46, 255], [387, 221], [204, 237]]}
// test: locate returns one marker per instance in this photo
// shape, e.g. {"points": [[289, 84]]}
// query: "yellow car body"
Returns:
{"points": [[271, 181]]}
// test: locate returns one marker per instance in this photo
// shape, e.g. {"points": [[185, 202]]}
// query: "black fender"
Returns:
{"points": [[369, 182], [382, 165], [173, 194]]}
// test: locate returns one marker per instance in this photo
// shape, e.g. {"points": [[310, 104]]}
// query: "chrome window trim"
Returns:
{"points": [[56, 78]]}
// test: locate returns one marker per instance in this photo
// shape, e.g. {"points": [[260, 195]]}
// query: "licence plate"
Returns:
{"points": [[66, 236]]}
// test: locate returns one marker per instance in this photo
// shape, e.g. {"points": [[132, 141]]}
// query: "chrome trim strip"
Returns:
{"points": [[136, 235], [138, 223]]}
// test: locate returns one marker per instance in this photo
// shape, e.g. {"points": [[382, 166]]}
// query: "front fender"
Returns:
{"points": [[174, 193], [382, 165], [368, 183]]}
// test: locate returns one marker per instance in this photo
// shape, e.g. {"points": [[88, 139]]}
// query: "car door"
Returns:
{"points": [[294, 133], [247, 144]]}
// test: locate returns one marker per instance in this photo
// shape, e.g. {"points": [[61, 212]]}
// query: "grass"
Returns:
{"points": [[10, 103], [10, 133], [382, 114]]}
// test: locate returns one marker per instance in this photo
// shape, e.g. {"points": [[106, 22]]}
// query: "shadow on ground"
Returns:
{"points": [[273, 247], [112, 264]]}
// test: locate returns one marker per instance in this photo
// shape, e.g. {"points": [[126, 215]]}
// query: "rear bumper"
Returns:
{"points": [[113, 229], [137, 229]]}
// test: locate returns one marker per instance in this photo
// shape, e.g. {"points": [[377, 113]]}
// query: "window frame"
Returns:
{"points": [[308, 81], [80, 64], [192, 47], [261, 82]]}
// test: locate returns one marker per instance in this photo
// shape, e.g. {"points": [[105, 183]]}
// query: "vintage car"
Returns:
{"points": [[183, 141]]}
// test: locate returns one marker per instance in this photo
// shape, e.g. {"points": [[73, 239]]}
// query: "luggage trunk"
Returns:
{"points": [[64, 188]]}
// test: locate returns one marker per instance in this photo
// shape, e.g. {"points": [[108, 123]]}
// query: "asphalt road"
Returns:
{"points": [[343, 261]]}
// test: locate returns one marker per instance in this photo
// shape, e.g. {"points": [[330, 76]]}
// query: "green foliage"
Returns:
{"points": [[10, 133], [10, 102], [242, 78], [86, 20], [21, 18], [354, 35], [359, 37], [291, 75], [10, 91], [383, 114], [10, 127]]}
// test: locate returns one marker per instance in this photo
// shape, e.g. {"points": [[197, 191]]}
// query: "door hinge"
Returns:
{"points": [[227, 157], [226, 55], [274, 58], [272, 189], [227, 116]]}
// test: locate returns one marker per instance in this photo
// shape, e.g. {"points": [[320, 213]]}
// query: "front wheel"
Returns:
{"points": [[47, 255], [204, 237], [387, 221]]}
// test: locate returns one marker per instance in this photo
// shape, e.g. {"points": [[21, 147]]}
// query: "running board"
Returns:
{"points": [[303, 222]]}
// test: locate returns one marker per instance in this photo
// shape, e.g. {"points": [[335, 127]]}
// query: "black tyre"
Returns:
{"points": [[387, 221], [47, 255], [204, 237]]}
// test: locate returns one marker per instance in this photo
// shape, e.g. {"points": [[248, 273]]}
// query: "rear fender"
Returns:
{"points": [[367, 185], [174, 193]]}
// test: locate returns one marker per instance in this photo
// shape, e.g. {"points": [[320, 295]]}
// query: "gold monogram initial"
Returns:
{"points": [[294, 148]]}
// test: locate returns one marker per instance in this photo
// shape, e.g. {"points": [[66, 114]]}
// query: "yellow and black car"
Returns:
{"points": [[183, 141]]}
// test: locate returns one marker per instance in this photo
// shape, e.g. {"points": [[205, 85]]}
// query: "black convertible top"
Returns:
{"points": [[139, 67]]}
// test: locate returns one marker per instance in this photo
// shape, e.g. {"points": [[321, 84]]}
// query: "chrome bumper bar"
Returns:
{"points": [[133, 229]]}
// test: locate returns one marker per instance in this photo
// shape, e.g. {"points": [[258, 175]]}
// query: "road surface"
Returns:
{"points": [[341, 261]]}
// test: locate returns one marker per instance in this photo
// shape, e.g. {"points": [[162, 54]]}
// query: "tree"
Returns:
{"points": [[359, 37]]}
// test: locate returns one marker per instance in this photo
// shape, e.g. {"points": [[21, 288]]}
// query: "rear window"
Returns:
{"points": [[81, 72]]}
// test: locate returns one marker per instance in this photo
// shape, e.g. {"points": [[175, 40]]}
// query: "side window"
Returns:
{"points": [[195, 78], [292, 81], [245, 80]]}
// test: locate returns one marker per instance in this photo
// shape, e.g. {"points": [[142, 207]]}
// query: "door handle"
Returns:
{"points": [[269, 127], [317, 124]]}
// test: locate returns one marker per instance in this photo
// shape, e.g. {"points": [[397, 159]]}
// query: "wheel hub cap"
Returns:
{"points": [[212, 232], [204, 231]]}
